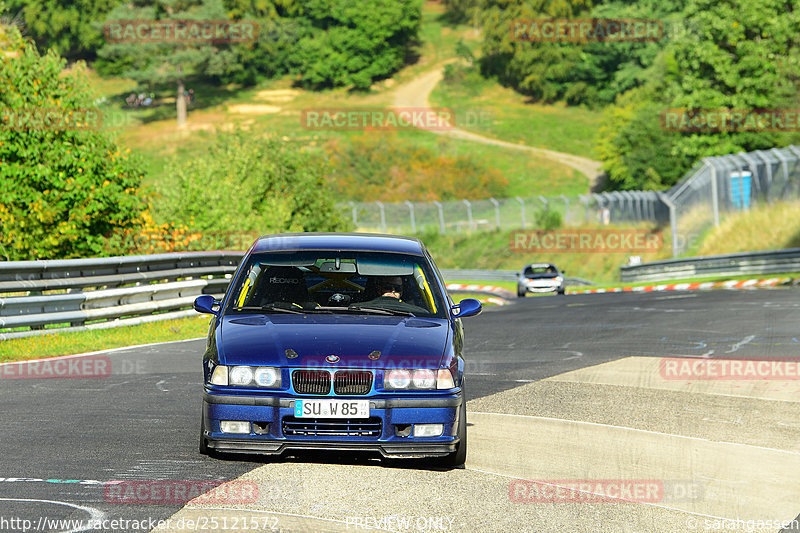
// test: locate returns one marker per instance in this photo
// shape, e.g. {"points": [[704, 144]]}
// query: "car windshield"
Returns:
{"points": [[331, 282], [540, 270]]}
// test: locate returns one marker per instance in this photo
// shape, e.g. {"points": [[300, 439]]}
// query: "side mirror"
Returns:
{"points": [[563, 272], [205, 304], [466, 307]]}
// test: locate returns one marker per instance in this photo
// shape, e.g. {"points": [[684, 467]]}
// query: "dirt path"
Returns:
{"points": [[416, 93]]}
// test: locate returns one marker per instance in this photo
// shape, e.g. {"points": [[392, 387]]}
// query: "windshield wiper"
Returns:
{"points": [[278, 309], [380, 311]]}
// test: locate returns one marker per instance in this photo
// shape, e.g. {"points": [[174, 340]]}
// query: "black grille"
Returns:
{"points": [[352, 382], [360, 427], [311, 381]]}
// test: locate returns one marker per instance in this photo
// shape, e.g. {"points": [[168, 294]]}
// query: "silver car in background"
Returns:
{"points": [[540, 277]]}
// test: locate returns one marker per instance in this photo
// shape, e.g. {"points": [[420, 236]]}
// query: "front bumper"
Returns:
{"points": [[388, 413], [546, 288]]}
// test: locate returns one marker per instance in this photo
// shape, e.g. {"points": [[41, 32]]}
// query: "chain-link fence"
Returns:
{"points": [[510, 213], [730, 183], [714, 187]]}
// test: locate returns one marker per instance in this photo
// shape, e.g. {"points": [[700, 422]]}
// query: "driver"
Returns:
{"points": [[390, 291], [391, 287]]}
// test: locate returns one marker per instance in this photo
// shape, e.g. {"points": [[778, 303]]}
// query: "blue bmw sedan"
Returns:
{"points": [[336, 341]]}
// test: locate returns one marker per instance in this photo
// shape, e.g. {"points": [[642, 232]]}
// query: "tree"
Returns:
{"points": [[264, 185], [355, 42], [68, 26], [538, 69], [737, 56], [173, 60], [64, 183]]}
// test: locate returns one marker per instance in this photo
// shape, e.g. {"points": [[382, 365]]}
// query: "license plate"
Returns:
{"points": [[331, 408]]}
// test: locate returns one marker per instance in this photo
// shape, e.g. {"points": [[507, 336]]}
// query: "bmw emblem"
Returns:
{"points": [[332, 358]]}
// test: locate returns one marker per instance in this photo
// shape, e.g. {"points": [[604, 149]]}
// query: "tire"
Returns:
{"points": [[520, 294], [561, 292], [204, 449], [458, 457]]}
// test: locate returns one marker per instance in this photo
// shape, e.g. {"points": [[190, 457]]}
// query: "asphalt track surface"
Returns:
{"points": [[562, 390]]}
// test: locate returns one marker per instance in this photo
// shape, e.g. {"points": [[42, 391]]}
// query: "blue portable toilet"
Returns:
{"points": [[740, 189]]}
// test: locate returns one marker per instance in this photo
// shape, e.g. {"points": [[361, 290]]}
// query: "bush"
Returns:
{"points": [[66, 184], [547, 219], [245, 184], [380, 167]]}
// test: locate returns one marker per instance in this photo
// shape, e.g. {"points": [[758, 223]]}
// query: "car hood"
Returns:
{"points": [[269, 340]]}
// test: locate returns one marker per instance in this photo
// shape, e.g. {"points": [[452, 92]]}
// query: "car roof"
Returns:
{"points": [[540, 265], [373, 242]]}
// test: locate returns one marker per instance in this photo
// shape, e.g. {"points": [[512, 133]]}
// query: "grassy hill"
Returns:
{"points": [[274, 108]]}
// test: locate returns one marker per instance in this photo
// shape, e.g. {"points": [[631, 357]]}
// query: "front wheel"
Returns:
{"points": [[520, 293], [459, 457], [204, 449]]}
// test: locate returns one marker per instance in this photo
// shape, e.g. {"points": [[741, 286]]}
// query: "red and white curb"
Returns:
{"points": [[497, 295], [731, 284]]}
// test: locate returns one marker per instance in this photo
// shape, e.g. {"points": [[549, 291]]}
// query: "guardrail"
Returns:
{"points": [[768, 262], [499, 275], [126, 290], [118, 291]]}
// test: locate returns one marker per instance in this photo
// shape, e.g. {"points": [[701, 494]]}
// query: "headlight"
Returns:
{"points": [[397, 379], [220, 375], [444, 379], [266, 376], [424, 379], [243, 376], [420, 379]]}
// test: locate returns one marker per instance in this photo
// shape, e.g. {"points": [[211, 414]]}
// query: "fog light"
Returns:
{"points": [[261, 428], [428, 430], [234, 426]]}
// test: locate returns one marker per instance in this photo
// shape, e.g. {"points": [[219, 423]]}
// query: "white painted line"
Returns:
{"points": [[109, 350], [741, 343], [95, 516], [582, 422]]}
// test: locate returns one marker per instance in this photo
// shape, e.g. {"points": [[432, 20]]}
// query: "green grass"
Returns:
{"points": [[482, 297], [153, 135], [438, 38], [696, 279], [511, 118], [491, 250], [74, 342], [508, 285]]}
